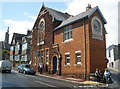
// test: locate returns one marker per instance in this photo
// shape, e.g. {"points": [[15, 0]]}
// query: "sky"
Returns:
{"points": [[20, 15]]}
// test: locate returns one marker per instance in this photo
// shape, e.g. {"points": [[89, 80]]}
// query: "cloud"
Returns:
{"points": [[109, 8], [18, 26], [29, 16], [2, 35]]}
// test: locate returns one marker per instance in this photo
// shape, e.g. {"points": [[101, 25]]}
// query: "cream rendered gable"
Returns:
{"points": [[97, 34]]}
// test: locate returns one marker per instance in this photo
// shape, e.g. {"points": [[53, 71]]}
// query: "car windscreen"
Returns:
{"points": [[27, 66]]}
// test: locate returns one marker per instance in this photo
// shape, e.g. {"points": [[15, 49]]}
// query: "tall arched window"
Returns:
{"points": [[41, 31]]}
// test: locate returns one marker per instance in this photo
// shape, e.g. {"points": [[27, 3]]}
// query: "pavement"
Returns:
{"points": [[115, 69]]}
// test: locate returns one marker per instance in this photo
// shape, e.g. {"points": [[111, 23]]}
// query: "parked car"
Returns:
{"points": [[5, 65], [26, 69]]}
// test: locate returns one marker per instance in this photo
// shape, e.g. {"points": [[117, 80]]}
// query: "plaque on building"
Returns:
{"points": [[96, 28]]}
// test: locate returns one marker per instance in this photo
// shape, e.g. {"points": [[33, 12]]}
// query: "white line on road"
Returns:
{"points": [[21, 76], [87, 86], [45, 84]]}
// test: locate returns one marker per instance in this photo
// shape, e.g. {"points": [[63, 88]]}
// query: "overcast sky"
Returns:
{"points": [[20, 16]]}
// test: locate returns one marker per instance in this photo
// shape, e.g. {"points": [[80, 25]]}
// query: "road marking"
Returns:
{"points": [[21, 76], [87, 86], [45, 84]]}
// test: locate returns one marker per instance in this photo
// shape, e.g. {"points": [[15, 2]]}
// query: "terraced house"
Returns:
{"points": [[20, 48], [69, 45]]}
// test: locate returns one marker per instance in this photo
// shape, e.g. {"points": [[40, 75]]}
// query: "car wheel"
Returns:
{"points": [[18, 71]]}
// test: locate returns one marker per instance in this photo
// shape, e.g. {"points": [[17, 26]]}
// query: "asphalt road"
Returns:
{"points": [[115, 76], [24, 81]]}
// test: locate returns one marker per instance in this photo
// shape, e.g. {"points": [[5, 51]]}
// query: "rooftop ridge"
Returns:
{"points": [[85, 14]]}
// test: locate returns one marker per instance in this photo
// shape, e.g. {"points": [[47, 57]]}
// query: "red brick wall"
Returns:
{"points": [[76, 44], [95, 49], [49, 27]]}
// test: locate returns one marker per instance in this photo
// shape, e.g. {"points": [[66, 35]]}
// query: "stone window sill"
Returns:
{"points": [[68, 40], [67, 64], [78, 64]]}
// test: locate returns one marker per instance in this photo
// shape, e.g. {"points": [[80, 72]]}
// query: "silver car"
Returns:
{"points": [[26, 69]]}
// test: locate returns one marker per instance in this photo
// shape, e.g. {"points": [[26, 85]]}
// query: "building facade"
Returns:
{"points": [[113, 56], [20, 48], [4, 45], [69, 45]]}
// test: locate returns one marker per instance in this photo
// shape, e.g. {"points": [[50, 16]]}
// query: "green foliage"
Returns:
{"points": [[6, 52]]}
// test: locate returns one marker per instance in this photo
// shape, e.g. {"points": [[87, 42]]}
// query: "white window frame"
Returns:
{"points": [[24, 58], [11, 57], [68, 33], [17, 47], [78, 62], [17, 58], [67, 58], [24, 46]]}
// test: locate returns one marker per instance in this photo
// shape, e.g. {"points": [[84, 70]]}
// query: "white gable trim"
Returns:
{"points": [[100, 14]]}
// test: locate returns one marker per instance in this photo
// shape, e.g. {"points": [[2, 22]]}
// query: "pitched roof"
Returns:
{"points": [[80, 16], [60, 16], [18, 37], [57, 15]]}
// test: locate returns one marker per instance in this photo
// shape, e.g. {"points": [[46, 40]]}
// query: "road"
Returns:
{"points": [[115, 76], [23, 81]]}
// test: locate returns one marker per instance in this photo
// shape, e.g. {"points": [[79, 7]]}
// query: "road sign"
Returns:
{"points": [[106, 60]]}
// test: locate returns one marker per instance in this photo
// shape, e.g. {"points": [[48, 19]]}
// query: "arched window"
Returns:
{"points": [[41, 31]]}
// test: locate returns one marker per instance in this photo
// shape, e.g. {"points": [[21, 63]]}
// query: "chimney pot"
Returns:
{"points": [[88, 7]]}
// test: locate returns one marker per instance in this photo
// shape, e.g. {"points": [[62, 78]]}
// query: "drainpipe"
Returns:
{"points": [[84, 28]]}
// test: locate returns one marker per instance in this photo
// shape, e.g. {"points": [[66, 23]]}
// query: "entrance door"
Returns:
{"points": [[54, 64]]}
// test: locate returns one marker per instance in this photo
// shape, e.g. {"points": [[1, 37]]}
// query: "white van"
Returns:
{"points": [[5, 65]]}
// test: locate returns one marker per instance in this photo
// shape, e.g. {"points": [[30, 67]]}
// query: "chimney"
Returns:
{"points": [[7, 36], [29, 32], [88, 7]]}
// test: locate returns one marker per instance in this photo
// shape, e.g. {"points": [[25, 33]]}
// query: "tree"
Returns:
{"points": [[6, 54]]}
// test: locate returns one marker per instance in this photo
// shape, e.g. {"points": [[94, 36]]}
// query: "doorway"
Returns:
{"points": [[55, 64]]}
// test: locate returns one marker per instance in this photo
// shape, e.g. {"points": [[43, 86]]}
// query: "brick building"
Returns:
{"points": [[69, 45]]}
